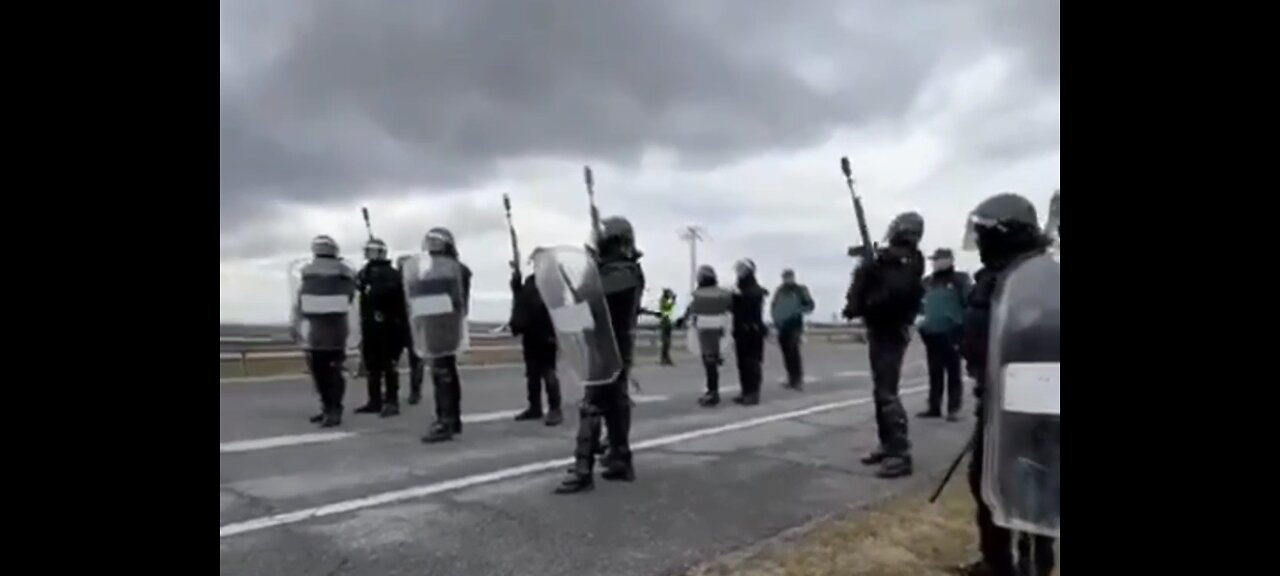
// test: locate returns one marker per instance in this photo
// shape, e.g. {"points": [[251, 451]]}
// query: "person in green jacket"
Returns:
{"points": [[941, 327], [666, 309], [791, 303]]}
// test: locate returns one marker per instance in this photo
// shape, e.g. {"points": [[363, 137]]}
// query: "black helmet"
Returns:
{"points": [[1004, 225], [745, 268], [375, 250], [1006, 211], [440, 241], [707, 276], [324, 247], [907, 228], [617, 237]]}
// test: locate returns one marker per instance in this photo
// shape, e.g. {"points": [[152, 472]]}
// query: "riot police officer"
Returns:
{"points": [[383, 321], [438, 334], [749, 331], [531, 321], [887, 293], [622, 279], [1007, 233], [710, 310], [320, 321]]}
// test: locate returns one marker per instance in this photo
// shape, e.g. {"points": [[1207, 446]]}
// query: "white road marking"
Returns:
{"points": [[852, 373], [301, 439], [281, 441], [286, 441], [509, 414], [515, 472]]}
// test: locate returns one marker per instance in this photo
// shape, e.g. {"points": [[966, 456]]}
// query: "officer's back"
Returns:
{"points": [[382, 305], [530, 318]]}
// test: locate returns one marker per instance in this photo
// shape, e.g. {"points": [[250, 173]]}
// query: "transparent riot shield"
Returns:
{"points": [[710, 333], [436, 305], [1022, 468], [300, 326], [570, 286], [710, 321]]}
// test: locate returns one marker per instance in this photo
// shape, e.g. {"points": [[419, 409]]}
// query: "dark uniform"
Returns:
{"points": [[324, 298], [445, 379], [791, 303], [1011, 234], [383, 321], [710, 304], [531, 321], [749, 332], [622, 278], [416, 365], [887, 293]]}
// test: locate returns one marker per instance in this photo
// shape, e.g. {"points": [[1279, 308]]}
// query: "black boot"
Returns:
{"points": [[930, 413], [711, 365], [895, 467], [318, 418], [373, 383], [578, 480], [555, 416], [332, 420], [416, 369], [617, 464], [875, 457], [618, 468], [530, 413], [391, 395], [750, 372], [439, 432], [390, 410]]}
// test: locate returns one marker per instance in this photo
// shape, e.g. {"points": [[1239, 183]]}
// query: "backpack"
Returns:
{"points": [[895, 289]]}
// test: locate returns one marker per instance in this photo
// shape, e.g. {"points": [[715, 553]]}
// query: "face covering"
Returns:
{"points": [[943, 264]]}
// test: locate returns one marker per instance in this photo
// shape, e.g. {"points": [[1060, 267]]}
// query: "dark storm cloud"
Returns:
{"points": [[328, 99]]}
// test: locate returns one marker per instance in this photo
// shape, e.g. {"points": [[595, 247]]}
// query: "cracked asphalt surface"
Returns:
{"points": [[695, 498]]}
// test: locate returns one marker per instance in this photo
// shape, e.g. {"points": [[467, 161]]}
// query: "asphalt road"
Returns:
{"points": [[369, 499]]}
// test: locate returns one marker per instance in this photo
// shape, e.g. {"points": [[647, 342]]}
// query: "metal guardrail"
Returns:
{"points": [[645, 338]]}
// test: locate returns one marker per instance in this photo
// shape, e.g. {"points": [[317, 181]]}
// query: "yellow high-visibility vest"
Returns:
{"points": [[667, 307]]}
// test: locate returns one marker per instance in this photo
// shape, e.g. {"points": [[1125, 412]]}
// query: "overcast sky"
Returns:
{"points": [[729, 114]]}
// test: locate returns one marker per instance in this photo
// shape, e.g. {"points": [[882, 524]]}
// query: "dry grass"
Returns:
{"points": [[906, 536]]}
